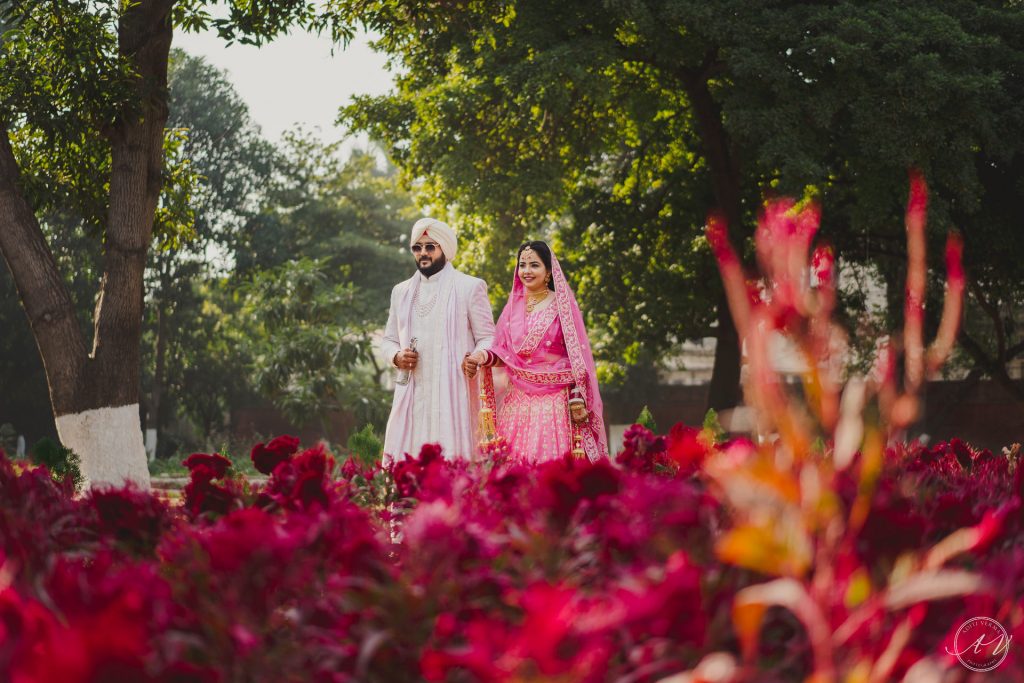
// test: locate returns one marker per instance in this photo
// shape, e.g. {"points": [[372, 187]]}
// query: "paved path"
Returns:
{"points": [[176, 483]]}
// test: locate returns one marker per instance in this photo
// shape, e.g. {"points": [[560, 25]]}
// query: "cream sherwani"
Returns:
{"points": [[449, 315]]}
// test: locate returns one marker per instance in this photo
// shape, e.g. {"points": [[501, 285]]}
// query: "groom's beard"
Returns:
{"points": [[433, 267]]}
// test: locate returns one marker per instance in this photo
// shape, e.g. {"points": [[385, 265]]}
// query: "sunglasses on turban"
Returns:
{"points": [[430, 248]]}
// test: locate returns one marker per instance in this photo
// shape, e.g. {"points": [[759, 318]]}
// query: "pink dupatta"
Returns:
{"points": [[517, 344]]}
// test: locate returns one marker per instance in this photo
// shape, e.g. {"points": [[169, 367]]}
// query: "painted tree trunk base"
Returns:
{"points": [[109, 443]]}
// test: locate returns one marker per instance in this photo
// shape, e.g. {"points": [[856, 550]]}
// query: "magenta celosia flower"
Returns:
{"points": [[301, 482], [105, 614], [135, 520], [216, 462], [267, 456], [687, 448], [423, 477], [563, 484], [642, 451], [202, 495], [350, 469]]}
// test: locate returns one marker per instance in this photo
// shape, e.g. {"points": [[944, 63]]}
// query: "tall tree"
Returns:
{"points": [[86, 83], [314, 276], [235, 169]]}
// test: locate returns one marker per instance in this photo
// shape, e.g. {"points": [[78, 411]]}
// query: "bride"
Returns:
{"points": [[552, 403]]}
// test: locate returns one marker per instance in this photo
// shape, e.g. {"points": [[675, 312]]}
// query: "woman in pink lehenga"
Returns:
{"points": [[542, 343]]}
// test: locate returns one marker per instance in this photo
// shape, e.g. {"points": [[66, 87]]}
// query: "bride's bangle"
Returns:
{"points": [[489, 359]]}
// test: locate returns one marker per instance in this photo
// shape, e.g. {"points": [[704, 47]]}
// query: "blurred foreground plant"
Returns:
{"points": [[790, 517]]}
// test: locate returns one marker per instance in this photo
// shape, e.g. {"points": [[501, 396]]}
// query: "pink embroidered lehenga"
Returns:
{"points": [[546, 353]]}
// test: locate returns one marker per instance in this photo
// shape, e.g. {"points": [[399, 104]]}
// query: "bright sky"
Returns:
{"points": [[295, 79]]}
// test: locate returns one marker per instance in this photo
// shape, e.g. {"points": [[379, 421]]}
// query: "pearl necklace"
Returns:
{"points": [[424, 309], [533, 301]]}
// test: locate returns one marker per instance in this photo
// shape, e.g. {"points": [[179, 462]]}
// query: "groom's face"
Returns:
{"points": [[429, 257]]}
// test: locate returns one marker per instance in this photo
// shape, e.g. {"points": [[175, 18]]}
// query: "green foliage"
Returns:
{"points": [[309, 339], [713, 427], [365, 446], [616, 131], [646, 419], [62, 463], [280, 317]]}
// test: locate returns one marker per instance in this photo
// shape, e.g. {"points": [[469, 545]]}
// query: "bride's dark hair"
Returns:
{"points": [[544, 251]]}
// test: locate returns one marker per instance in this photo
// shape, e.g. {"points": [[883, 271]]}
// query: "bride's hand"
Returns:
{"points": [[579, 413], [470, 363]]}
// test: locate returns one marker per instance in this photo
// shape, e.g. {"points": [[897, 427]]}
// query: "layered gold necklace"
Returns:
{"points": [[532, 300]]}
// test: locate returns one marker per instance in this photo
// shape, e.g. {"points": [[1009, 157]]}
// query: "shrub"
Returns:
{"points": [[63, 464]]}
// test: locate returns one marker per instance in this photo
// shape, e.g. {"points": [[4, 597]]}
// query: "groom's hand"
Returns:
{"points": [[406, 359]]}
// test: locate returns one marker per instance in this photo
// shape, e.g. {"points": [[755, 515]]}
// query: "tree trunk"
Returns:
{"points": [[154, 427], [724, 392], [95, 395]]}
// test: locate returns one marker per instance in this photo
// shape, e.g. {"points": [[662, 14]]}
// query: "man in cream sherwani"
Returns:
{"points": [[449, 315]]}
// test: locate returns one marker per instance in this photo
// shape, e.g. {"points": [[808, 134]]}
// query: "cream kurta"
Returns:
{"points": [[449, 315]]}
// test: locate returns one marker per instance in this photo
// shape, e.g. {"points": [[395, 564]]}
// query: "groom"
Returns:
{"points": [[448, 314]]}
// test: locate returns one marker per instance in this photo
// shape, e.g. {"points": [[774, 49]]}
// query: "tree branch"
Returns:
{"points": [[993, 368], [993, 313]]}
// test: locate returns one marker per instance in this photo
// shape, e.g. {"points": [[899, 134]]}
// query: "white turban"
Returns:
{"points": [[437, 231]]}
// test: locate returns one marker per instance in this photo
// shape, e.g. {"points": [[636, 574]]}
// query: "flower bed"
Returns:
{"points": [[828, 551], [559, 571]]}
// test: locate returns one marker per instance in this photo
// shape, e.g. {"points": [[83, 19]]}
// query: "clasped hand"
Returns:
{"points": [[579, 413], [471, 362]]}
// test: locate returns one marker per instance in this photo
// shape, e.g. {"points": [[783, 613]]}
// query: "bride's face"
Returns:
{"points": [[531, 271]]}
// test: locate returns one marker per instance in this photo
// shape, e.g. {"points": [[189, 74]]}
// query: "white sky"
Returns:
{"points": [[295, 79]]}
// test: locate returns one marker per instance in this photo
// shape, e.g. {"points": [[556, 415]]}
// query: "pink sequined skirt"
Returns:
{"points": [[537, 428]]}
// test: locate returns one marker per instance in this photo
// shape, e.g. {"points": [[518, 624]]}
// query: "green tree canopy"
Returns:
{"points": [[617, 126]]}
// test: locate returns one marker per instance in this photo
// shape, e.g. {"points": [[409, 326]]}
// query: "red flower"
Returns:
{"points": [[108, 611], [669, 607], [216, 462], [686, 448], [564, 484], [301, 482], [642, 451], [133, 519], [350, 469], [823, 263], [424, 477], [268, 456], [202, 495]]}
